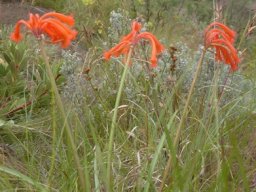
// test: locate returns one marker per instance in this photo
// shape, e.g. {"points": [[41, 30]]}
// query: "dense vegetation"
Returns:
{"points": [[119, 128]]}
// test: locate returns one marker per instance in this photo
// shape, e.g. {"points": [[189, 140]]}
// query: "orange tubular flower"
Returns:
{"points": [[123, 47], [55, 25], [222, 38]]}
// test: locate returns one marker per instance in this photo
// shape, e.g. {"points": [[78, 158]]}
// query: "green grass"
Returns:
{"points": [[113, 129]]}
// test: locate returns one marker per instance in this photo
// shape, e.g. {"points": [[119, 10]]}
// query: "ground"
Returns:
{"points": [[13, 11]]}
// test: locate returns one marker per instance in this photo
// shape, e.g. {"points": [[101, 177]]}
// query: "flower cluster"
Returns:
{"points": [[55, 25], [131, 39], [222, 38]]}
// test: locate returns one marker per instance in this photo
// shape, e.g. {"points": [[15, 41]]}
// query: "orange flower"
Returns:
{"points": [[55, 25], [123, 47], [222, 38]]}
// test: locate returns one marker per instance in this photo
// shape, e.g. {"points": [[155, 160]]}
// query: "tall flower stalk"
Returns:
{"points": [[221, 38], [126, 47], [58, 28]]}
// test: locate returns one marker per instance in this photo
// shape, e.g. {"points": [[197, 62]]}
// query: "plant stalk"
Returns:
{"points": [[59, 103], [182, 120], [114, 118]]}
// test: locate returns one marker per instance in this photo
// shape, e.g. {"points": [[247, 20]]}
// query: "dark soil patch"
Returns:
{"points": [[12, 11]]}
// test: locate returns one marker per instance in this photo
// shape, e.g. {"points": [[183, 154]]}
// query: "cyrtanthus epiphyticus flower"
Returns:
{"points": [[222, 38], [131, 39], [56, 26]]}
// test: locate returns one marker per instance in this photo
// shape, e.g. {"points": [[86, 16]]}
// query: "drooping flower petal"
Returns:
{"points": [[226, 53], [215, 34], [55, 25], [157, 47], [121, 48], [229, 32], [132, 39], [16, 35], [62, 31], [69, 20], [222, 38]]}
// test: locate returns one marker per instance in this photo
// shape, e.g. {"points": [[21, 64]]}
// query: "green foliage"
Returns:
{"points": [[13, 63], [24, 85], [57, 5], [249, 64], [14, 59]]}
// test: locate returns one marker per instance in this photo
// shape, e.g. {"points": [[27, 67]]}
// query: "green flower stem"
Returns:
{"points": [[114, 118], [60, 106], [54, 139], [182, 120]]}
